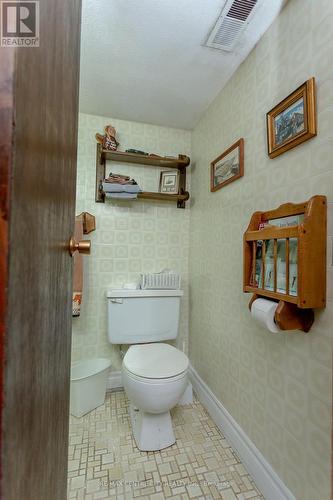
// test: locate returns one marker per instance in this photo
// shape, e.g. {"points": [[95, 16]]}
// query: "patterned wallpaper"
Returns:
{"points": [[276, 386], [131, 237]]}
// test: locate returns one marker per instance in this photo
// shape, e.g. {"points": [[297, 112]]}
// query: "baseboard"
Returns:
{"points": [[265, 477], [114, 381]]}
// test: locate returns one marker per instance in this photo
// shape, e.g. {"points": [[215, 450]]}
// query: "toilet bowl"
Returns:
{"points": [[154, 378]]}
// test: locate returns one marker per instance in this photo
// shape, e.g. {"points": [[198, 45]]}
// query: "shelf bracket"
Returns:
{"points": [[290, 317], [100, 174], [182, 187]]}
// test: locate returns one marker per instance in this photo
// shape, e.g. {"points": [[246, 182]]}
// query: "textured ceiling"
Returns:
{"points": [[144, 60]]}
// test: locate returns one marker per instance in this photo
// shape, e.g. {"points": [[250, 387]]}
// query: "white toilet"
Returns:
{"points": [[154, 374]]}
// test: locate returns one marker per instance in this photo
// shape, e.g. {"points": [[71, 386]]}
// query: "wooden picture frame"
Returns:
{"points": [[293, 120], [169, 181], [227, 167]]}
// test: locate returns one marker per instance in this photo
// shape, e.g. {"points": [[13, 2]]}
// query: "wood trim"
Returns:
{"points": [[88, 221], [239, 144], [181, 162], [312, 246], [287, 266], [100, 174], [271, 233], [253, 298], [273, 295], [275, 264], [285, 210], [254, 253], [307, 91], [182, 188], [263, 263], [254, 224], [146, 195], [43, 86], [290, 317], [7, 61]]}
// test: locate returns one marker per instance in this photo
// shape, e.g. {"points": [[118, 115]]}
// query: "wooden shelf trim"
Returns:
{"points": [[269, 293], [272, 233], [285, 210], [149, 195], [121, 156]]}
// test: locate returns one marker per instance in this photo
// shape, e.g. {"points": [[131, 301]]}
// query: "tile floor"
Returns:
{"points": [[105, 463]]}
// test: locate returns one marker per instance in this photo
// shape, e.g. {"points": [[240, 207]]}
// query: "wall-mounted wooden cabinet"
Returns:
{"points": [[180, 163], [285, 259]]}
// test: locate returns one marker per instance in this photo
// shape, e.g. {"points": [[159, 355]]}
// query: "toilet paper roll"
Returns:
{"points": [[263, 311]]}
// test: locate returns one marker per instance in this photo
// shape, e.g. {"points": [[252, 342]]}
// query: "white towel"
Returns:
{"points": [[109, 187], [121, 196]]}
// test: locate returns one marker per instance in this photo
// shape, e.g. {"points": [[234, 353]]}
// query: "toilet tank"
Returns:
{"points": [[138, 316]]}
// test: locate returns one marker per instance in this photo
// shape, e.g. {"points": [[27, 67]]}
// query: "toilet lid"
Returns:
{"points": [[155, 360]]}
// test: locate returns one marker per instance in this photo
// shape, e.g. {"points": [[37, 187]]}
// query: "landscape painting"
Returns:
{"points": [[290, 122], [228, 167], [293, 120]]}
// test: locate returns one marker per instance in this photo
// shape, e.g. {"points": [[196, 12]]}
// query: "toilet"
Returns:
{"points": [[154, 373]]}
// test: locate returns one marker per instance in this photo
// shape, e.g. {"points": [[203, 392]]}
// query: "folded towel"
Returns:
{"points": [[121, 196], [119, 179], [121, 188]]}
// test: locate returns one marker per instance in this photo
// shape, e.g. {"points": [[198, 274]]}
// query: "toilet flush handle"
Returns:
{"points": [[117, 301], [82, 246]]}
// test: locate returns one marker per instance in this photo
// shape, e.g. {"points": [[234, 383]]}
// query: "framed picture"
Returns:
{"points": [[169, 181], [293, 120], [227, 167]]}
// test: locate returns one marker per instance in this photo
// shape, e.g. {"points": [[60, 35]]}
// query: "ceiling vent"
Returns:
{"points": [[233, 20]]}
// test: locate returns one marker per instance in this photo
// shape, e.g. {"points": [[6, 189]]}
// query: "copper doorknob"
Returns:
{"points": [[82, 246]]}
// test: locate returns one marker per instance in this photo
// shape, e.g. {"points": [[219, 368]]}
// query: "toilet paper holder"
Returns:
{"points": [[289, 316], [285, 260]]}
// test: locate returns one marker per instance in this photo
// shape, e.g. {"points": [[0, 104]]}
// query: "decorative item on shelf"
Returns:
{"points": [[227, 167], [169, 181], [285, 261], [108, 140], [293, 120], [136, 152]]}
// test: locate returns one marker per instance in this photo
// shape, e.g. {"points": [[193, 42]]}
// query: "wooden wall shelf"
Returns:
{"points": [[270, 271], [179, 163]]}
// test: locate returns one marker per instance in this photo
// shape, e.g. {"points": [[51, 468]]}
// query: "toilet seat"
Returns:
{"points": [[152, 381], [156, 361]]}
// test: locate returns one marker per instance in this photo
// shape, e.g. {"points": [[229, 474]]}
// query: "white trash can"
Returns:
{"points": [[88, 385]]}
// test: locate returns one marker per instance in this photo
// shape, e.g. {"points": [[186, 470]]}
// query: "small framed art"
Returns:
{"points": [[169, 181], [293, 120], [227, 167]]}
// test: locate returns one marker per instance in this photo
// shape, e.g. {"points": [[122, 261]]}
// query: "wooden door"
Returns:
{"points": [[38, 140]]}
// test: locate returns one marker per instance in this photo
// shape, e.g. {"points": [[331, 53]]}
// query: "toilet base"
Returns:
{"points": [[152, 432]]}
